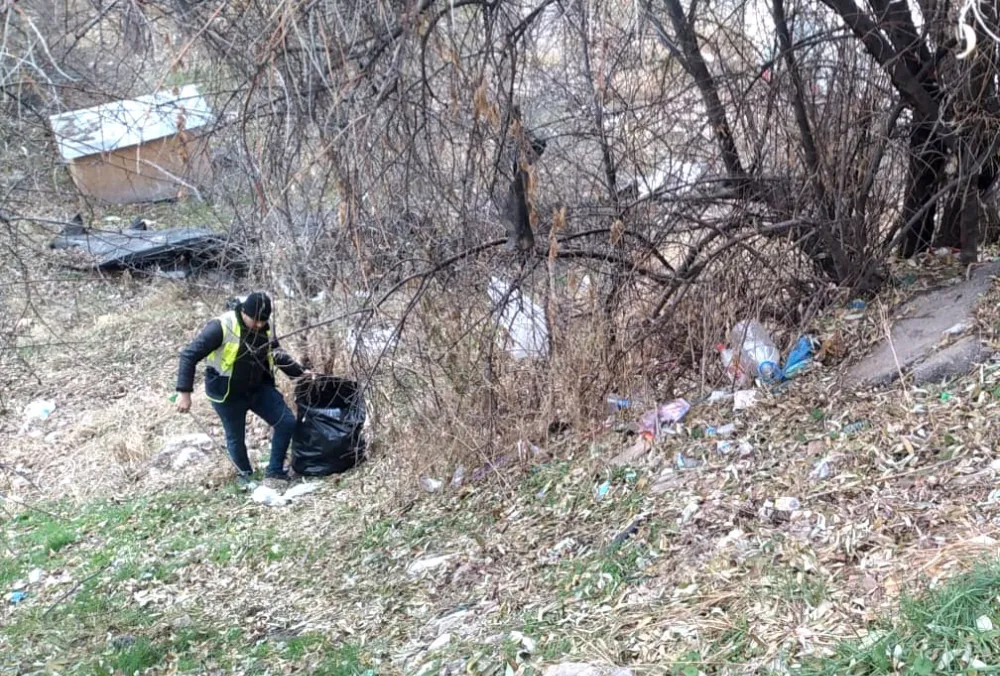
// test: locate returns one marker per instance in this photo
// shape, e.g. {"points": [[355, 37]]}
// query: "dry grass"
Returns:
{"points": [[713, 574]]}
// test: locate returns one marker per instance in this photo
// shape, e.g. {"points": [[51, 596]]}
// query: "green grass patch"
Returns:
{"points": [[944, 631]]}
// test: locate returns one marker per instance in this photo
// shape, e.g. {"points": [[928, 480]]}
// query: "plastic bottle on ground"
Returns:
{"points": [[734, 369], [757, 349]]}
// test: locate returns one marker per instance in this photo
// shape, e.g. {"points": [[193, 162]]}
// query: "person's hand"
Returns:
{"points": [[184, 402]]}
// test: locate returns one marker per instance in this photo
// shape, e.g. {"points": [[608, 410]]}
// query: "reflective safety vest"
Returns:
{"points": [[223, 359]]}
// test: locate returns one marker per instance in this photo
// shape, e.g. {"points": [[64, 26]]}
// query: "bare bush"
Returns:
{"points": [[645, 172]]}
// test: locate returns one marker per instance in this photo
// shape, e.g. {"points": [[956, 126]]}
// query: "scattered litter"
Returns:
{"points": [[37, 411], [272, 498], [431, 485], [181, 451], [523, 319], [722, 432], [440, 642], [616, 403], [984, 623], [299, 490], [719, 395], [602, 490], [16, 597], [800, 357], [684, 462], [268, 496], [757, 350], [787, 504], [431, 563], [946, 396], [821, 470], [744, 399], [35, 576], [183, 248], [857, 304], [689, 511], [653, 421], [955, 330], [732, 366], [629, 531], [725, 447], [528, 645], [458, 477]]}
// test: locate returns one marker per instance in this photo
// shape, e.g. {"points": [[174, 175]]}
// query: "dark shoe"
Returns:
{"points": [[276, 479]]}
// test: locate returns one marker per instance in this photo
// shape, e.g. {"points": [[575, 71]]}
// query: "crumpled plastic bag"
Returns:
{"points": [[653, 421], [268, 496]]}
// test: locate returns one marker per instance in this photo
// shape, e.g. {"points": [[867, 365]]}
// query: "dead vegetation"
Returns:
{"points": [[363, 183], [683, 558]]}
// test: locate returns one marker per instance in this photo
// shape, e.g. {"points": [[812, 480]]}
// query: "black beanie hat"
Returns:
{"points": [[257, 306]]}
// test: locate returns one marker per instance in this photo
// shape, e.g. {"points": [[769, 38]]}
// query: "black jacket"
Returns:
{"points": [[250, 370]]}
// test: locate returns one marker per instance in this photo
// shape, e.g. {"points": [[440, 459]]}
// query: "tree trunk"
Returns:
{"points": [[927, 162]]}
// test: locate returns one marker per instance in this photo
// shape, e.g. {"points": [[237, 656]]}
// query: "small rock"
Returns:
{"points": [[188, 456], [182, 451], [459, 477], [430, 563], [439, 643], [35, 576], [995, 465], [121, 641], [955, 330], [454, 622], [984, 623], [456, 668], [180, 442]]}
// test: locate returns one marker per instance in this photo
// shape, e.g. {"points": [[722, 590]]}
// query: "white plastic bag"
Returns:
{"points": [[523, 320]]}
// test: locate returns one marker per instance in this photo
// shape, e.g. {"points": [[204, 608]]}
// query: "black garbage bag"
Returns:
{"points": [[330, 416]]}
